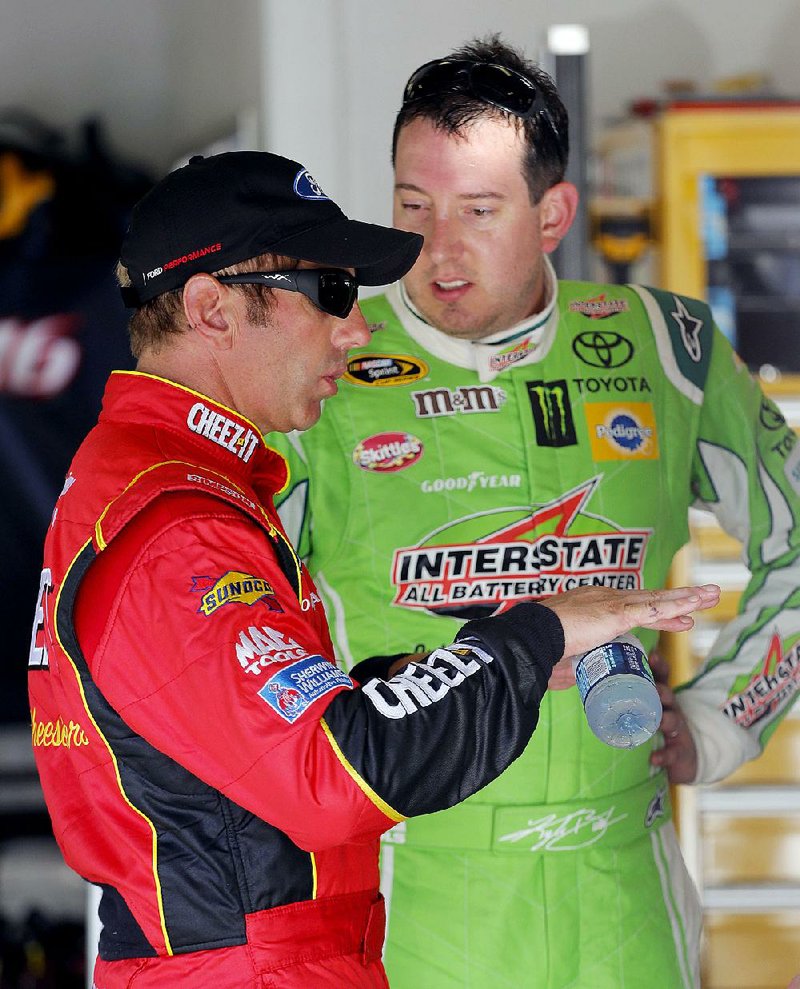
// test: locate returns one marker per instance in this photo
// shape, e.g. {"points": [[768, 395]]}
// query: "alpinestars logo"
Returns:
{"points": [[690, 327], [465, 571], [768, 686]]}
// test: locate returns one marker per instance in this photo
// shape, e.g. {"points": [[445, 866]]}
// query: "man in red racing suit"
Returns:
{"points": [[203, 759]]}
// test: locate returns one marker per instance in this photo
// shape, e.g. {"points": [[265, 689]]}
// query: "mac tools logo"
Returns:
{"points": [[307, 187], [482, 564]]}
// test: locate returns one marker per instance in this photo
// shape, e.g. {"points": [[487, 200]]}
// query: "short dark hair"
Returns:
{"points": [[546, 135]]}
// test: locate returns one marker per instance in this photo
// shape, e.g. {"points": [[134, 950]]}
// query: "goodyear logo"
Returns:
{"points": [[625, 431], [234, 587], [384, 369]]}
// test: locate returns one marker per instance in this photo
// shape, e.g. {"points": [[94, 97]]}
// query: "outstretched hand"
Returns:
{"points": [[593, 615]]}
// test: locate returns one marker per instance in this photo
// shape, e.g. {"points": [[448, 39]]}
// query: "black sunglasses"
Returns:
{"points": [[492, 83], [330, 289]]}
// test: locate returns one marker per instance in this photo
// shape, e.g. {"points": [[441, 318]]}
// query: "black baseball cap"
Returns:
{"points": [[220, 210]]}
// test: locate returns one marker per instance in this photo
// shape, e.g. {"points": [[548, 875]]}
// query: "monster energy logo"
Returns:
{"points": [[552, 413]]}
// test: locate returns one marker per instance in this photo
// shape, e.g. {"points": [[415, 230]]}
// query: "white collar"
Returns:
{"points": [[526, 343]]}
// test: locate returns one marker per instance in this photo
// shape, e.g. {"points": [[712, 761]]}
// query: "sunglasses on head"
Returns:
{"points": [[330, 289], [492, 83]]}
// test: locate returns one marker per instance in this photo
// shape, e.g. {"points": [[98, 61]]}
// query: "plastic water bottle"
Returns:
{"points": [[618, 692]]}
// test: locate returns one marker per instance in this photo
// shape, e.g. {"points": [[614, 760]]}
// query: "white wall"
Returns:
{"points": [[162, 75], [335, 69], [167, 74]]}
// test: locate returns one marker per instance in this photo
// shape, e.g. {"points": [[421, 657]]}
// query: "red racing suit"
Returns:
{"points": [[202, 758]]}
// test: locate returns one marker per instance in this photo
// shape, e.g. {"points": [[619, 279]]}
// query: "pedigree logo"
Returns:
{"points": [[622, 431], [225, 432], [56, 734], [234, 587], [385, 453]]}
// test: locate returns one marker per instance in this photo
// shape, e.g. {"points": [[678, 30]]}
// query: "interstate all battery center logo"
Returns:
{"points": [[484, 563], [775, 680]]}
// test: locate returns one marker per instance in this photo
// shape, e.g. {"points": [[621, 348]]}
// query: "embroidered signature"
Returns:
{"points": [[585, 827]]}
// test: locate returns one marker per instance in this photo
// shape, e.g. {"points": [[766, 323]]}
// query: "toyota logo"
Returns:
{"points": [[771, 417], [602, 348]]}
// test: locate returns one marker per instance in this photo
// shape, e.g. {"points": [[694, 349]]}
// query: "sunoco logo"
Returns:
{"points": [[234, 587], [602, 348], [387, 452], [384, 369], [769, 686], [465, 571]]}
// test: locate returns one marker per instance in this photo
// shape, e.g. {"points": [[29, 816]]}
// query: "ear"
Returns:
{"points": [[556, 212], [209, 311]]}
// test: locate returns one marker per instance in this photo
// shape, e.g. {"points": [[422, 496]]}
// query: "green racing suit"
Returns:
{"points": [[449, 479]]}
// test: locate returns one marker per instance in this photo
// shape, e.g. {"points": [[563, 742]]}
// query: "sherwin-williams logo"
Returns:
{"points": [[468, 399], [599, 307], [602, 348], [225, 432], [482, 564], [622, 431], [384, 453], [294, 688], [512, 355], [307, 187], [771, 683], [234, 587], [384, 369], [552, 413]]}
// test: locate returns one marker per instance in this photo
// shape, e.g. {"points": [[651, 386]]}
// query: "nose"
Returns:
{"points": [[351, 332], [442, 239]]}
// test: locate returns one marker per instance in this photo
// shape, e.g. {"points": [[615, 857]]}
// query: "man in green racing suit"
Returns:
{"points": [[505, 437]]}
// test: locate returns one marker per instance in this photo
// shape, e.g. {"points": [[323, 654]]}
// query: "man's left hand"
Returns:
{"points": [[679, 755]]}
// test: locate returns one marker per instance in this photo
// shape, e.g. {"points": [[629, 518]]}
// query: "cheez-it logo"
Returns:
{"points": [[225, 432]]}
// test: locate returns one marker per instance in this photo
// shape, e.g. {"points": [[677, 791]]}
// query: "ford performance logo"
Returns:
{"points": [[307, 187]]}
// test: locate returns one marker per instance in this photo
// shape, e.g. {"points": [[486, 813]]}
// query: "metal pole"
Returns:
{"points": [[566, 58]]}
